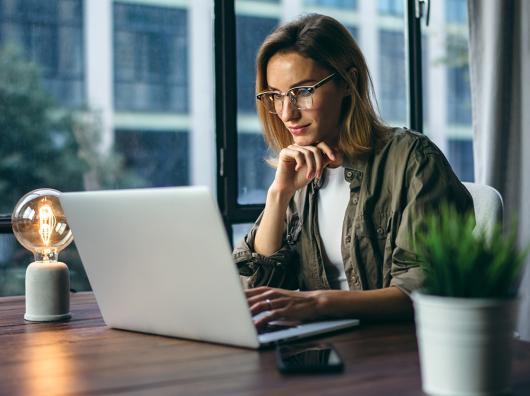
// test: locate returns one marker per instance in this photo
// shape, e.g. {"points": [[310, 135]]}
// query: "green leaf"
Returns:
{"points": [[459, 262]]}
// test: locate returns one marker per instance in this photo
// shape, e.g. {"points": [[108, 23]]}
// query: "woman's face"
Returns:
{"points": [[321, 121]]}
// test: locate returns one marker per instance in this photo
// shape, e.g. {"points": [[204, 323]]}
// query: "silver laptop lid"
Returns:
{"points": [[159, 261]]}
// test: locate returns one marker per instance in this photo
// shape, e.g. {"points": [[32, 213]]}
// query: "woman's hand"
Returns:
{"points": [[298, 165], [283, 304]]}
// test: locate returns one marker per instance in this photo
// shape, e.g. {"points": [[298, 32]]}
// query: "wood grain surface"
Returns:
{"points": [[84, 357]]}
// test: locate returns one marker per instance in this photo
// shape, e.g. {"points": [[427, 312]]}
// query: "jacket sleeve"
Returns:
{"points": [[430, 182], [277, 270]]}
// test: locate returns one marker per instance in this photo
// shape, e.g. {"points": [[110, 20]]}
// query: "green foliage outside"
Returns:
{"points": [[36, 149], [43, 145], [459, 262]]}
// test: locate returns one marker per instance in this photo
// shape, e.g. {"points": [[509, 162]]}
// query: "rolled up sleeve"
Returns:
{"points": [[277, 270], [430, 183]]}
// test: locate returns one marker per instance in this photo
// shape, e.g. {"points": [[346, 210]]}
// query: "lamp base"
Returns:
{"points": [[47, 291], [46, 318]]}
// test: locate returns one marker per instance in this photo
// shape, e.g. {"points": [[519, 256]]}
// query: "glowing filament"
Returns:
{"points": [[46, 223]]}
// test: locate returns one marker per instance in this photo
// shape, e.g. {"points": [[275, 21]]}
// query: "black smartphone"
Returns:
{"points": [[308, 358]]}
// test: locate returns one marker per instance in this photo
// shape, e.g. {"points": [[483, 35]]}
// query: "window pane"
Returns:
{"points": [[254, 22], [351, 4], [392, 76], [239, 231], [150, 58], [447, 94], [50, 34], [378, 27], [149, 117]]}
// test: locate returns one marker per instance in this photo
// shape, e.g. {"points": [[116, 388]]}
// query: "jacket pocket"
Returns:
{"points": [[375, 226]]}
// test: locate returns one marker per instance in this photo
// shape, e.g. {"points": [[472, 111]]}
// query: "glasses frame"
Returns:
{"points": [[292, 98]]}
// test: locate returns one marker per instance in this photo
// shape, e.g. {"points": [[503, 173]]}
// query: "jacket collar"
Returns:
{"points": [[353, 173]]}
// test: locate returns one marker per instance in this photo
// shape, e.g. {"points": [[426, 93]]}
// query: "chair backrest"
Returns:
{"points": [[488, 206]]}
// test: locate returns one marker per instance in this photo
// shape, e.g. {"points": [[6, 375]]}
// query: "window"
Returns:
{"points": [[147, 120], [456, 11], [251, 30], [393, 95], [352, 4], [150, 58], [50, 33], [391, 7], [446, 88], [459, 92], [156, 158], [254, 175], [460, 152]]}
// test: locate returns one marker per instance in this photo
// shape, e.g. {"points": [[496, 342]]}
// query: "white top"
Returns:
{"points": [[333, 198]]}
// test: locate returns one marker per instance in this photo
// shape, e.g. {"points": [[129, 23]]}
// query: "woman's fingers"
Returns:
{"points": [[293, 309], [298, 165], [334, 156], [266, 304], [318, 157], [293, 155], [309, 158], [327, 150], [256, 291], [260, 297]]}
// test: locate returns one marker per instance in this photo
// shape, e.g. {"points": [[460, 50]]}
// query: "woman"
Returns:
{"points": [[335, 238]]}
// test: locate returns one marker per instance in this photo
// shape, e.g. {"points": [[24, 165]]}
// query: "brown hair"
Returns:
{"points": [[330, 44]]}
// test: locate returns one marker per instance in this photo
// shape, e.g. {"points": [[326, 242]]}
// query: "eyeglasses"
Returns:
{"points": [[301, 97]]}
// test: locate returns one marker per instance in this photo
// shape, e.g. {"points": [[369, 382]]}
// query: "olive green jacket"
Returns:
{"points": [[392, 189]]}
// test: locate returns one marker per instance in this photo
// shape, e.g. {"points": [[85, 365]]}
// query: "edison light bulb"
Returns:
{"points": [[39, 224]]}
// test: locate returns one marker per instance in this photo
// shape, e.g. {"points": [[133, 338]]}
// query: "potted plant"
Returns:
{"points": [[465, 312]]}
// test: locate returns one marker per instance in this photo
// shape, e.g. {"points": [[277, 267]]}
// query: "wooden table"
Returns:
{"points": [[84, 357]]}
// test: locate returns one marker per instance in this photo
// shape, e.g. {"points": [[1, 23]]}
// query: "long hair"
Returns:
{"points": [[327, 42]]}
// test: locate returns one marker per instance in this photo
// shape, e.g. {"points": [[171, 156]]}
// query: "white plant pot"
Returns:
{"points": [[464, 344]]}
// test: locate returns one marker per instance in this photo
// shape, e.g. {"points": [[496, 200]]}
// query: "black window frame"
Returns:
{"points": [[226, 108]]}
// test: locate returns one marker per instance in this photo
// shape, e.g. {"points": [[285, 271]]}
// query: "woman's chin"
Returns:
{"points": [[304, 141]]}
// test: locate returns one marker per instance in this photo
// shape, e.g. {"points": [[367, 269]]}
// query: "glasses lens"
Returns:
{"points": [[303, 97], [267, 99]]}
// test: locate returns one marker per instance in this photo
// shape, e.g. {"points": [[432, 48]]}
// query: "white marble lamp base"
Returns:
{"points": [[47, 291]]}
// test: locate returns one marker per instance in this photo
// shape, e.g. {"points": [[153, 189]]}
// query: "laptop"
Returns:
{"points": [[159, 262]]}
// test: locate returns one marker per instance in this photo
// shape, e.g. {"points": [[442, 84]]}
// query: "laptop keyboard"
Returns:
{"points": [[269, 328]]}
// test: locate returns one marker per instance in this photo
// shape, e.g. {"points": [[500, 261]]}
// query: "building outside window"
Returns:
{"points": [[393, 96], [456, 11], [391, 7], [350, 4], [251, 31], [138, 122], [150, 58], [160, 159], [446, 82], [459, 99], [50, 33]]}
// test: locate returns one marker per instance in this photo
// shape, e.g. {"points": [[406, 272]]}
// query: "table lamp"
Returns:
{"points": [[39, 224]]}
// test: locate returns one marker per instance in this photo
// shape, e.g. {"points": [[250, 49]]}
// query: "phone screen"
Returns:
{"points": [[298, 358]]}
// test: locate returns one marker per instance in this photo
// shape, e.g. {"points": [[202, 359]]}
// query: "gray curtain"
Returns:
{"points": [[499, 53]]}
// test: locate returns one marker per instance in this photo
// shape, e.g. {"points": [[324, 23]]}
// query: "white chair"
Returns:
{"points": [[488, 206]]}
